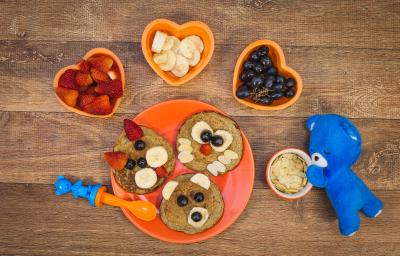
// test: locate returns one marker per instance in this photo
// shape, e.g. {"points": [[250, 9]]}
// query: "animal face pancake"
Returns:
{"points": [[209, 141], [191, 203]]}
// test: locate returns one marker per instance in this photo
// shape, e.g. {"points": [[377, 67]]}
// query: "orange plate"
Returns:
{"points": [[180, 31], [235, 186], [276, 54], [92, 52]]}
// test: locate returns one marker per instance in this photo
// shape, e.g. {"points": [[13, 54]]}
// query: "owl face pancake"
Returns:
{"points": [[209, 141], [159, 161], [191, 203]]}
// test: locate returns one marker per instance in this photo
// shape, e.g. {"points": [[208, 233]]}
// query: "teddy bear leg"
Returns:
{"points": [[372, 207], [349, 222]]}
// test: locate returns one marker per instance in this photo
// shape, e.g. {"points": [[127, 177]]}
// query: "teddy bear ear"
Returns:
{"points": [[351, 131], [311, 122]]}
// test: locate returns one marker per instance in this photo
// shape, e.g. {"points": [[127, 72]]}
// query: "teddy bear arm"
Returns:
{"points": [[315, 175]]}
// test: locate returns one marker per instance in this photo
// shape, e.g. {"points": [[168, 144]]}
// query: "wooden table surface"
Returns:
{"points": [[347, 52]]}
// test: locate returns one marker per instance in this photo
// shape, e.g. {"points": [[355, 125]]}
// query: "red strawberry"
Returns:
{"points": [[67, 80], [101, 63], [111, 88], [117, 160], [99, 106], [83, 79], [69, 96], [161, 172], [205, 149], [84, 66], [99, 76], [91, 91], [85, 99], [132, 130]]}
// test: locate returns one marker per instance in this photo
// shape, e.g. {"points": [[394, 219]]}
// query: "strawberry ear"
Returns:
{"points": [[132, 130]]}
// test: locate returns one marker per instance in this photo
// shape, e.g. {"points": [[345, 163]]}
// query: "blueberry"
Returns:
{"points": [[290, 83], [269, 83], [243, 76], [272, 77], [130, 164], [266, 100], [139, 145], [276, 95], [217, 141], [258, 68], [206, 136], [182, 200], [198, 197], [250, 74], [271, 71], [256, 82], [263, 51], [141, 162], [266, 61], [254, 56], [196, 216], [248, 65], [289, 93], [243, 92], [280, 79], [277, 87]]}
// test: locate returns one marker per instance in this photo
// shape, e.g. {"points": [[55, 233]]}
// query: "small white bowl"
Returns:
{"points": [[302, 192]]}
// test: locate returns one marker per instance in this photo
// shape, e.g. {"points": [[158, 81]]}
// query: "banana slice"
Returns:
{"points": [[169, 189], [225, 160], [195, 59], [231, 154], [181, 67], [198, 128], [220, 167], [158, 41], [184, 141], [185, 157], [185, 148], [201, 180], [197, 42], [227, 137], [204, 217], [171, 61], [160, 58], [186, 48], [156, 156], [213, 169], [145, 178], [171, 43]]}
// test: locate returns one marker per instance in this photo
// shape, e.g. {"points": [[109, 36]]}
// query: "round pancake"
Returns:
{"points": [[217, 122], [126, 177], [176, 217]]}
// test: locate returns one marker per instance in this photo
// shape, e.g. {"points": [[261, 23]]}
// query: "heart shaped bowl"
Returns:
{"points": [[91, 53], [276, 54], [180, 31]]}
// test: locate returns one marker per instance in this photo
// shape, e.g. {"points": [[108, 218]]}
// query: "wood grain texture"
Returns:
{"points": [[64, 226]]}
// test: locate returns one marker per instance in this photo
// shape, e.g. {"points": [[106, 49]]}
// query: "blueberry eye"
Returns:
{"points": [[199, 197], [182, 200]]}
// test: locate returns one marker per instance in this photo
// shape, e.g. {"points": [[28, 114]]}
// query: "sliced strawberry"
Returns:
{"points": [[85, 99], [69, 96], [99, 76], [83, 79], [205, 149], [117, 160], [91, 91], [132, 130], [99, 106], [102, 63], [111, 88], [84, 66], [67, 80], [161, 172]]}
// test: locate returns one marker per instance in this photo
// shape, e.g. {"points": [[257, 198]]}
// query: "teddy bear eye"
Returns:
{"points": [[319, 160], [182, 200], [198, 197]]}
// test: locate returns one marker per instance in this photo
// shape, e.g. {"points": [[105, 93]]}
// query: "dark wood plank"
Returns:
{"points": [[371, 24], [36, 147], [35, 221], [356, 83]]}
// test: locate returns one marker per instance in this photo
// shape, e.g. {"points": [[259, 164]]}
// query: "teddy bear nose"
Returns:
{"points": [[196, 216]]}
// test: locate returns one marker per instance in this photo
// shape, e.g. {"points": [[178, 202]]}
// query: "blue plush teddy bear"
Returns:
{"points": [[335, 145]]}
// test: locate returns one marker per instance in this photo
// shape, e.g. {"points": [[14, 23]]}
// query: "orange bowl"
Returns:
{"points": [[307, 188], [91, 53], [180, 31], [276, 54]]}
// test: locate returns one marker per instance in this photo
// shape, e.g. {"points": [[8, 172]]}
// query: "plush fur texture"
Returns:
{"points": [[335, 145]]}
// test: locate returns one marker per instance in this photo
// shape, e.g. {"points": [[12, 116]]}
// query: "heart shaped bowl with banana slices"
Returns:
{"points": [[177, 53]]}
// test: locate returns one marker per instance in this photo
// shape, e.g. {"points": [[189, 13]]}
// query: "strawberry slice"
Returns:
{"points": [[67, 80], [84, 66], [102, 63], [91, 91], [132, 130], [111, 88], [69, 96], [99, 76], [161, 172], [205, 149], [85, 99], [117, 160], [83, 79], [99, 106]]}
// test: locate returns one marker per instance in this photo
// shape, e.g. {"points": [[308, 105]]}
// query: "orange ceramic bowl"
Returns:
{"points": [[180, 31], [276, 54], [297, 195], [235, 186], [91, 53]]}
